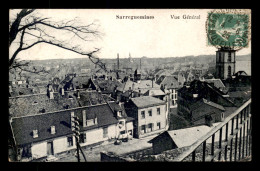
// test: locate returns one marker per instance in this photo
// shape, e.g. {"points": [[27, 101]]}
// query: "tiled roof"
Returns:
{"points": [[213, 104], [105, 116], [145, 84], [80, 80], [21, 91], [170, 82], [146, 101], [107, 86], [33, 104], [154, 92], [188, 136], [204, 101], [217, 82], [23, 126], [90, 98]]}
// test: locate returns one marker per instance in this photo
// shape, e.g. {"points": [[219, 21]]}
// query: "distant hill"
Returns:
{"points": [[244, 57], [146, 62]]}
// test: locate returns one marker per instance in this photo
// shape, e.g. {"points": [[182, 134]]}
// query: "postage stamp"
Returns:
{"points": [[228, 28]]}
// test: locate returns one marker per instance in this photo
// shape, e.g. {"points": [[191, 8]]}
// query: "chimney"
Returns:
{"points": [[140, 63], [84, 118], [51, 95], [118, 61], [120, 103], [62, 91]]}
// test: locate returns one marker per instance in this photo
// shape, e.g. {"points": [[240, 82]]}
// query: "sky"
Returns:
{"points": [[158, 37]]}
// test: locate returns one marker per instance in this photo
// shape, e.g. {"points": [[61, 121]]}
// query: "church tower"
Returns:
{"points": [[225, 63]]}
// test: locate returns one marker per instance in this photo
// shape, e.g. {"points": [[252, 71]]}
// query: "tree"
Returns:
{"points": [[27, 29]]}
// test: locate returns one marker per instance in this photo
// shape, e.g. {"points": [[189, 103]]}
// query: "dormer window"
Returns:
{"points": [[119, 113], [195, 95], [35, 133], [91, 122], [53, 130]]}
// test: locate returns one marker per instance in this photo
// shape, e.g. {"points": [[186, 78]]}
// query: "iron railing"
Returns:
{"points": [[235, 144]]}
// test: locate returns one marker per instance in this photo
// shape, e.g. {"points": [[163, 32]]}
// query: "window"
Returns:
{"points": [[142, 114], [158, 125], [219, 57], [35, 133], [122, 132], [121, 123], [143, 129], [26, 151], [119, 113], [53, 130], [158, 111], [229, 56], [82, 138], [105, 132], [91, 122], [70, 141], [229, 71], [150, 112], [150, 127]]}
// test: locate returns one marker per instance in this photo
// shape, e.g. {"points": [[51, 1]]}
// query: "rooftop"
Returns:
{"points": [[146, 101], [217, 82], [188, 136]]}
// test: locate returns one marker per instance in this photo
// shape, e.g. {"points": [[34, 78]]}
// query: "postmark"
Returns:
{"points": [[229, 28]]}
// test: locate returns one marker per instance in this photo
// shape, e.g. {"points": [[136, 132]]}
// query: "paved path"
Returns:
{"points": [[126, 147]]}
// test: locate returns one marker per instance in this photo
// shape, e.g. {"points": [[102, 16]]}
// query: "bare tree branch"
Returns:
{"points": [[31, 25], [15, 25]]}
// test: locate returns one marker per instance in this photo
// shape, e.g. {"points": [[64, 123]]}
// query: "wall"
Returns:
{"points": [[152, 119], [61, 145], [96, 135], [39, 150], [163, 144]]}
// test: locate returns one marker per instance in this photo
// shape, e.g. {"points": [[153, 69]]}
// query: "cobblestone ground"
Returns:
{"points": [[93, 155]]}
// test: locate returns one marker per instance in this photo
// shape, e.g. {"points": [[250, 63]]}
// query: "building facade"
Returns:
{"points": [[150, 114], [42, 125]]}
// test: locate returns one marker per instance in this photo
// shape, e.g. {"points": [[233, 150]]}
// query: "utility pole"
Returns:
{"points": [[76, 134]]}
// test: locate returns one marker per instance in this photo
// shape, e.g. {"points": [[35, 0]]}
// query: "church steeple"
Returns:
{"points": [[130, 58], [225, 63]]}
